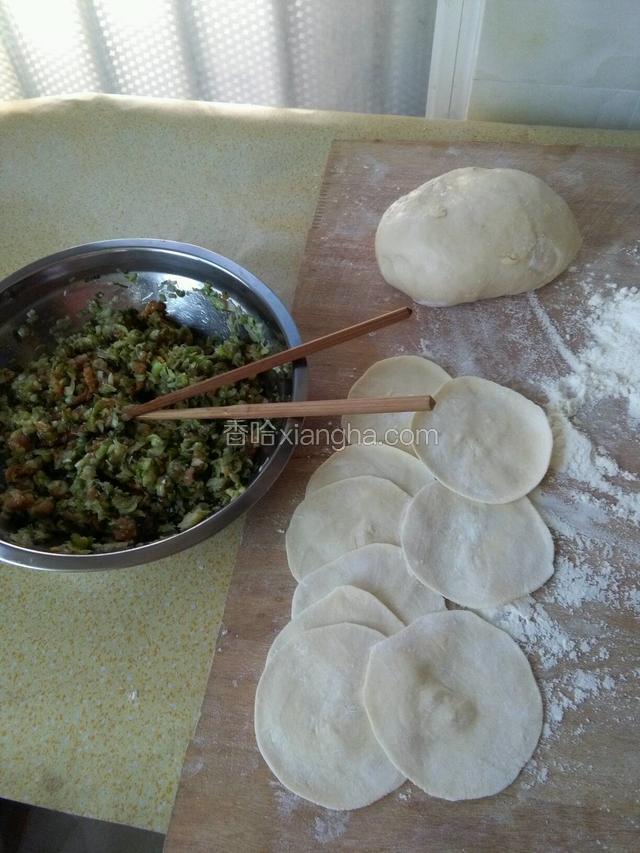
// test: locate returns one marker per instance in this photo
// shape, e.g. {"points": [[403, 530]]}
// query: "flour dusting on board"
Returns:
{"points": [[286, 801], [327, 827], [330, 827], [593, 510], [608, 366]]}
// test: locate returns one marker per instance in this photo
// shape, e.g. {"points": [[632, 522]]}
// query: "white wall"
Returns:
{"points": [[561, 62]]}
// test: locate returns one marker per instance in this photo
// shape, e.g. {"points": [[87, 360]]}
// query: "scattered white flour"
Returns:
{"points": [[573, 583], [594, 509], [608, 365], [327, 827], [633, 251], [575, 457], [612, 358], [330, 826], [548, 643], [286, 801], [536, 774], [568, 692], [632, 599], [605, 368], [538, 634]]}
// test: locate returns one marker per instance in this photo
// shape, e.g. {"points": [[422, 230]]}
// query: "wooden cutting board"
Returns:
{"points": [[228, 800]]}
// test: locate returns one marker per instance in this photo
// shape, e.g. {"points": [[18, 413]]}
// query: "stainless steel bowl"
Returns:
{"points": [[61, 284]]}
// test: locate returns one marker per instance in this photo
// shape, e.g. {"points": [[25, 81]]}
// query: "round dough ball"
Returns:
{"points": [[378, 569], [311, 726], [474, 234], [400, 376], [375, 460], [341, 517], [476, 554], [466, 713], [342, 604], [493, 445]]}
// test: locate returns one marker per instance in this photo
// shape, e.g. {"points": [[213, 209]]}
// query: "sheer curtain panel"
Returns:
{"points": [[361, 55]]}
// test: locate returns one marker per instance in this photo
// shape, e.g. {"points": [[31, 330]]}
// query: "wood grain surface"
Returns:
{"points": [[228, 800]]}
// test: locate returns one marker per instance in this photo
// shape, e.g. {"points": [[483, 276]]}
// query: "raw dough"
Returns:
{"points": [[465, 714], [476, 554], [378, 569], [341, 517], [376, 460], [342, 604], [476, 233], [401, 376], [311, 726], [493, 444]]}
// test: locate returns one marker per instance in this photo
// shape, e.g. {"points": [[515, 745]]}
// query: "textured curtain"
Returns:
{"points": [[359, 55]]}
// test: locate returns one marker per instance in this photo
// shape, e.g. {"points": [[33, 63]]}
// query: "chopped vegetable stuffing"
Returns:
{"points": [[77, 478]]}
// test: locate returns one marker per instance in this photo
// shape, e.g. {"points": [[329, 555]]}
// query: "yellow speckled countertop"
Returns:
{"points": [[102, 675]]}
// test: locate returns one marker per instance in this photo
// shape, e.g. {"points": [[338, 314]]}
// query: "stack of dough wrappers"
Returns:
{"points": [[387, 670]]}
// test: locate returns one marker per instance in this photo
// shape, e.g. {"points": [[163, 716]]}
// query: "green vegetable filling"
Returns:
{"points": [[75, 477]]}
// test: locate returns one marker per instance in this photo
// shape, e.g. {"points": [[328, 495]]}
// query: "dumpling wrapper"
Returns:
{"points": [[374, 460], [342, 604], [478, 555], [466, 713], [400, 376], [493, 445], [310, 722], [380, 570], [341, 517]]}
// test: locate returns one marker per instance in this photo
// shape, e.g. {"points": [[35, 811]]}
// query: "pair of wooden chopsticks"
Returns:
{"points": [[154, 410]]}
